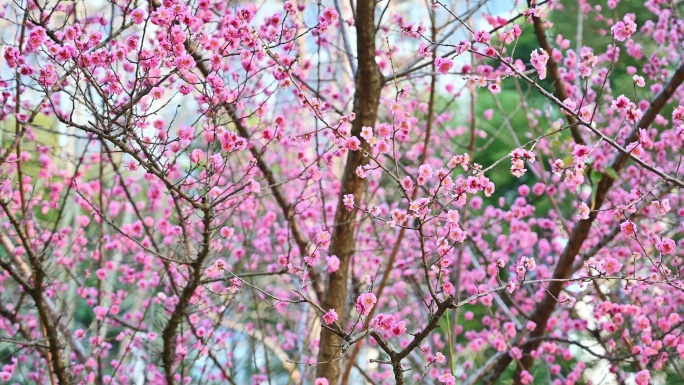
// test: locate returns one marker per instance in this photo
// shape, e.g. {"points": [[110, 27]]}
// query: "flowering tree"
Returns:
{"points": [[206, 192]]}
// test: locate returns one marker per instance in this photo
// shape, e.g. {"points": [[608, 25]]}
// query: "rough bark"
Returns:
{"points": [[59, 369], [368, 86], [564, 269], [170, 332]]}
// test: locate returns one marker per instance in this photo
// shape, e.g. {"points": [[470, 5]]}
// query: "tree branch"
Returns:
{"points": [[580, 233]]}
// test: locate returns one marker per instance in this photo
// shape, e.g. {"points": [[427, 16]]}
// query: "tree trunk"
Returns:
{"points": [[366, 99]]}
